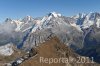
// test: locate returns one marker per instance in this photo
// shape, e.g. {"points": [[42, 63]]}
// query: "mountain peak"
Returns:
{"points": [[54, 14], [8, 20], [27, 18]]}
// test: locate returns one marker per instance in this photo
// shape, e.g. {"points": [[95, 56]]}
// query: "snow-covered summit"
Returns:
{"points": [[54, 14], [27, 19]]}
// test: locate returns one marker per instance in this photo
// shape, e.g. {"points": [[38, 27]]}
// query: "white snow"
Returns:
{"points": [[34, 29], [90, 19], [38, 22], [29, 17], [18, 23], [76, 26], [19, 61], [80, 15], [6, 50], [26, 29], [49, 17], [55, 14], [44, 18], [87, 24]]}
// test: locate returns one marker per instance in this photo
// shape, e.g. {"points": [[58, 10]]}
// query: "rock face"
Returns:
{"points": [[34, 39], [53, 48]]}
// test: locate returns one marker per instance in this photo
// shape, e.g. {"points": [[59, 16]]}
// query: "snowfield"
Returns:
{"points": [[6, 50]]}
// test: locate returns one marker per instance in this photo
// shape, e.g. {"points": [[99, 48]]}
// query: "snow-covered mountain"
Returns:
{"points": [[68, 29], [53, 23], [48, 21], [19, 25], [80, 20], [87, 20], [80, 32]]}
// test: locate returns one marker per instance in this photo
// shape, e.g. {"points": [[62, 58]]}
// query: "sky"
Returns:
{"points": [[16, 9]]}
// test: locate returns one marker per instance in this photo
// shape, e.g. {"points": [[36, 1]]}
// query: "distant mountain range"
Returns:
{"points": [[80, 32]]}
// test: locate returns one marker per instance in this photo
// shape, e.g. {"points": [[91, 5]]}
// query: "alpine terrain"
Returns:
{"points": [[23, 41]]}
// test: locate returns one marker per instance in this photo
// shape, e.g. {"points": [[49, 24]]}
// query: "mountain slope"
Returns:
{"points": [[53, 48]]}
